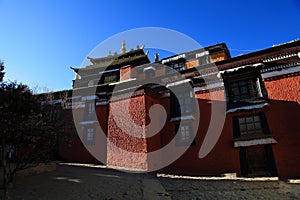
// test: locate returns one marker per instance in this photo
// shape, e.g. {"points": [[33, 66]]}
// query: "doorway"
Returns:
{"points": [[257, 161]]}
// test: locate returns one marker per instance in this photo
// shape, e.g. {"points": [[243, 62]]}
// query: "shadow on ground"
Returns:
{"points": [[78, 182]]}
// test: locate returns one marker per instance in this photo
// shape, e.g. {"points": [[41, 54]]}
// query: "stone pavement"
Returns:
{"points": [[218, 188], [77, 182], [86, 182]]}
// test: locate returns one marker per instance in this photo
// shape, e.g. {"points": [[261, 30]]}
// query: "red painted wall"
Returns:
{"points": [[283, 116], [71, 148], [223, 157], [153, 142]]}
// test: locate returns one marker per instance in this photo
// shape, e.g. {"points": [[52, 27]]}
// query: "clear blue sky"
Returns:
{"points": [[40, 40]]}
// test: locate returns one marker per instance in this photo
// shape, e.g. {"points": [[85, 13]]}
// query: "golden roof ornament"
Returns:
{"points": [[123, 49]]}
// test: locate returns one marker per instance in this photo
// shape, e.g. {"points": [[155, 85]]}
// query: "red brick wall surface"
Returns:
{"points": [[119, 140], [284, 89], [217, 95], [125, 73]]}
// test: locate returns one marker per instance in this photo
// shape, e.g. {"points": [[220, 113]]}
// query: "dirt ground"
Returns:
{"points": [[78, 182]]}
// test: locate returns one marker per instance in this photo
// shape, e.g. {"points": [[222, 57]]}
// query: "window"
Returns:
{"points": [[89, 113], [244, 89], [53, 112], [91, 107], [184, 134], [110, 78], [182, 104], [250, 125], [184, 100], [203, 60], [178, 66], [56, 113], [90, 135]]}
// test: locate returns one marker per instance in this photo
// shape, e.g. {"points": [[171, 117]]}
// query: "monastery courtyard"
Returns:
{"points": [[95, 182]]}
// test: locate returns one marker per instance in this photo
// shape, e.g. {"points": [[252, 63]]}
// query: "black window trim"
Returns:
{"points": [[263, 120], [114, 73], [87, 114], [175, 109], [245, 74]]}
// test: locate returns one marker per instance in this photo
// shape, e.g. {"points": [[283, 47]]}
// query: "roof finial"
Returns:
{"points": [[123, 49], [156, 57]]}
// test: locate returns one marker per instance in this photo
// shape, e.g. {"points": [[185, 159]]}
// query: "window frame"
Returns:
{"points": [[115, 74], [175, 108], [180, 65], [250, 124], [244, 83], [264, 128], [90, 110], [244, 75], [111, 80], [88, 139], [189, 140], [204, 60]]}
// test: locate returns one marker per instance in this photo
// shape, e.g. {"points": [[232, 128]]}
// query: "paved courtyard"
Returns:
{"points": [[209, 188], [79, 182]]}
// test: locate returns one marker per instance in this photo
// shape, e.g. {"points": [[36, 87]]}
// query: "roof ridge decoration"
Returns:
{"points": [[91, 60]]}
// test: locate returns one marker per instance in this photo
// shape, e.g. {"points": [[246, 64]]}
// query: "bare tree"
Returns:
{"points": [[1, 71]]}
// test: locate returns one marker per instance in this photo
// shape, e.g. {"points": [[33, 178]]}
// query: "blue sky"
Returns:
{"points": [[40, 40]]}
